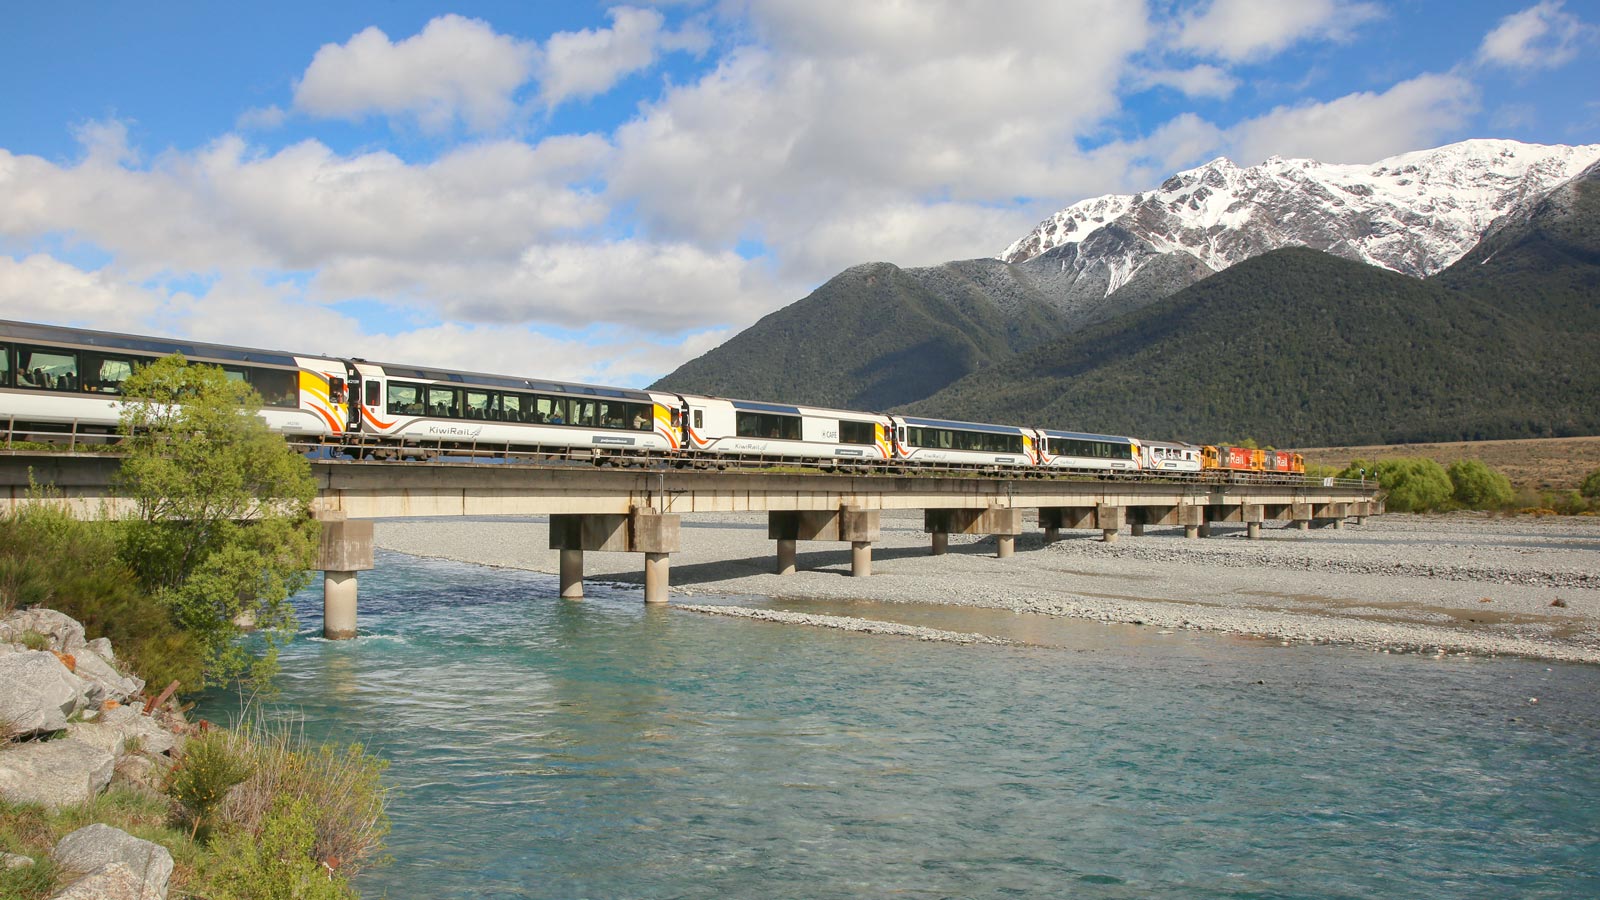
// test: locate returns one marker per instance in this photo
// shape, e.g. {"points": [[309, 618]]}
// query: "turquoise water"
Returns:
{"points": [[542, 748]]}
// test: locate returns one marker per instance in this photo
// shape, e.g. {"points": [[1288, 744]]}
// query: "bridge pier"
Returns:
{"points": [[1301, 514], [860, 527], [642, 531], [1109, 518], [941, 543], [1192, 518], [1004, 523], [346, 549]]}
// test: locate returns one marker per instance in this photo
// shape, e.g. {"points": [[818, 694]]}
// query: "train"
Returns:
{"points": [[65, 383]]}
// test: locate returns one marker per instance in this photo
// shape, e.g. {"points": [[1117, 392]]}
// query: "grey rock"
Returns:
{"points": [[104, 682], [113, 881], [54, 773], [138, 771], [13, 861], [113, 728], [64, 632], [96, 849], [39, 692], [101, 647]]}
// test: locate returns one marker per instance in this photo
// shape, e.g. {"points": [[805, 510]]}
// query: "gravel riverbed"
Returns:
{"points": [[1459, 583]]}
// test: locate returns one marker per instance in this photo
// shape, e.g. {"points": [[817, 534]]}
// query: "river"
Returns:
{"points": [[542, 748]]}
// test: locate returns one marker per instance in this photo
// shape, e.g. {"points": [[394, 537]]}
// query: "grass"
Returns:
{"points": [[31, 830], [1535, 465]]}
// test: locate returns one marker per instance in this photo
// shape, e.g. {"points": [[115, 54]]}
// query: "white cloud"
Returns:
{"points": [[262, 118], [1249, 30], [843, 111], [1196, 81], [456, 68], [40, 288], [1359, 127], [577, 64], [1539, 37]]}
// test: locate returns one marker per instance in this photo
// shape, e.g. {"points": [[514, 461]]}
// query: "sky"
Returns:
{"points": [[599, 192]]}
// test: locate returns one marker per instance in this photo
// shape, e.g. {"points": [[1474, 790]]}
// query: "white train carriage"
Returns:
{"points": [[67, 381], [1169, 456], [939, 442], [1077, 450], [433, 409], [746, 429]]}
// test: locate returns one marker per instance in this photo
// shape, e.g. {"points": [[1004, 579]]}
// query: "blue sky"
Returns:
{"points": [[601, 192]]}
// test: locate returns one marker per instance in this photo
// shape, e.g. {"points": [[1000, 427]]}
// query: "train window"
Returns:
{"points": [[276, 387], [767, 425], [443, 402], [106, 373], [478, 405], [374, 393], [405, 399], [584, 412], [699, 420], [617, 414], [47, 369], [856, 432], [511, 407], [550, 409], [5, 366]]}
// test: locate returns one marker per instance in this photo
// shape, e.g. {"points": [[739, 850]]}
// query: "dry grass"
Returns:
{"points": [[1544, 464]]}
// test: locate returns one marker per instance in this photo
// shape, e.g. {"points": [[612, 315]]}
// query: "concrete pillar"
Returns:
{"points": [[338, 605], [1005, 545], [1301, 513], [1191, 531], [785, 556], [572, 574], [346, 549], [860, 559], [1253, 530], [1361, 520], [941, 543], [1110, 519], [1303, 524], [1204, 529], [1138, 529], [1191, 517], [1051, 535], [1338, 524], [656, 566]]}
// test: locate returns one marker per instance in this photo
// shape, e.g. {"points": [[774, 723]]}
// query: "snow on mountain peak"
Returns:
{"points": [[1414, 213]]}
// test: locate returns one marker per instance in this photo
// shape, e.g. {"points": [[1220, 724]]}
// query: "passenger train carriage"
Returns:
{"points": [[1072, 450], [720, 428], [58, 381], [937, 441], [67, 380]]}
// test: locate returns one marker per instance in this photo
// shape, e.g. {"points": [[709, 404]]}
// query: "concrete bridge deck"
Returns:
{"points": [[639, 509]]}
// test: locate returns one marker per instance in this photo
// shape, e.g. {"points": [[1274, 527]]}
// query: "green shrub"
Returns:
{"points": [[1414, 484], [1476, 486], [1590, 488], [200, 782], [276, 864], [33, 640], [343, 784]]}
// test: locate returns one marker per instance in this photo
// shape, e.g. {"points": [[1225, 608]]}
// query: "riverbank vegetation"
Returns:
{"points": [[221, 537], [1421, 484]]}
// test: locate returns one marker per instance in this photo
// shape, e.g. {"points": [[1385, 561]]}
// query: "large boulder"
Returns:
{"points": [[103, 680], [64, 632], [113, 728], [98, 850], [113, 881], [53, 773], [37, 693]]}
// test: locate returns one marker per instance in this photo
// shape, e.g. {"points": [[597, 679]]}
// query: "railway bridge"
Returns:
{"points": [[632, 509]]}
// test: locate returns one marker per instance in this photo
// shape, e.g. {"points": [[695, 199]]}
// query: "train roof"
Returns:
{"points": [[28, 331], [480, 379], [1084, 436], [964, 426]]}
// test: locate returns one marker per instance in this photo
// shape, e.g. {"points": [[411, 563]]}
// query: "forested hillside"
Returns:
{"points": [[1299, 347]]}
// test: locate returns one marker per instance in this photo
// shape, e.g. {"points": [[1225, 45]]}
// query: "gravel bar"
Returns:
{"points": [[1460, 583]]}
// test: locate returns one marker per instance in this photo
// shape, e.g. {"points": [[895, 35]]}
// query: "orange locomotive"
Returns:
{"points": [[1245, 459]]}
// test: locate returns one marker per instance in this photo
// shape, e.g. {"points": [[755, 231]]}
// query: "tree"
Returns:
{"points": [[1414, 483], [223, 531], [1476, 486], [1590, 488]]}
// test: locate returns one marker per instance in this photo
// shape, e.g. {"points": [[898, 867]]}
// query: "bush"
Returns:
{"points": [[200, 782], [1414, 484], [278, 863], [1590, 489], [48, 558], [1476, 486], [342, 784]]}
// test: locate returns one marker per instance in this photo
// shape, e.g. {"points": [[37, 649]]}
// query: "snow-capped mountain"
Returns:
{"points": [[1415, 213]]}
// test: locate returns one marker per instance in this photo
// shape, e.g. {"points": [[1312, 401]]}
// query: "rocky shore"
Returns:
{"points": [[71, 725], [1460, 583]]}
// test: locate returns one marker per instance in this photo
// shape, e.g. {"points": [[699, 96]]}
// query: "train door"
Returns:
{"points": [[353, 388]]}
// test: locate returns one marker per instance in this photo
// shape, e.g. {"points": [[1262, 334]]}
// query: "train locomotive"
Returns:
{"points": [[60, 383]]}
